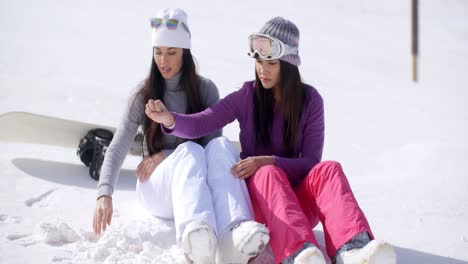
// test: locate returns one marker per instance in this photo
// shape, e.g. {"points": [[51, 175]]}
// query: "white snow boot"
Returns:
{"points": [[375, 252], [244, 241], [308, 254], [311, 255], [199, 243]]}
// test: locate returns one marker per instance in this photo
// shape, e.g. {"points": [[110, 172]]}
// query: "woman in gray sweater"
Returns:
{"points": [[187, 181]]}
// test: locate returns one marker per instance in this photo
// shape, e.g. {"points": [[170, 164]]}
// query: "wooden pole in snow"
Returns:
{"points": [[414, 38]]}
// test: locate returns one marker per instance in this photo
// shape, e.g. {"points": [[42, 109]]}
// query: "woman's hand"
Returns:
{"points": [[148, 165], [157, 111], [249, 166], [102, 214]]}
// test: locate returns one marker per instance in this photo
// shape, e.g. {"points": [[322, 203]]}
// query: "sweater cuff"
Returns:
{"points": [[105, 189]]}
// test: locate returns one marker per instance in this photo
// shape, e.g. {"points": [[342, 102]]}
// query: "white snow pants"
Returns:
{"points": [[196, 184]]}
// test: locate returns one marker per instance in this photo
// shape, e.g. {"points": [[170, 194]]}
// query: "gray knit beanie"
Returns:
{"points": [[285, 31]]}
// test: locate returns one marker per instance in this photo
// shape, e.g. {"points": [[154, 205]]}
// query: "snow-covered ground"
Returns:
{"points": [[402, 144]]}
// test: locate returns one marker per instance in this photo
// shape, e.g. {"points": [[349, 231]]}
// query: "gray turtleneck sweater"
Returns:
{"points": [[175, 100]]}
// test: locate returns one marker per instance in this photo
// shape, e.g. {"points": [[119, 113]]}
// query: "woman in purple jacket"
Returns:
{"points": [[281, 133]]}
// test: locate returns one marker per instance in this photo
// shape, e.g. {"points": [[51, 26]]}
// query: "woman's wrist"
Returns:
{"points": [[170, 124], [104, 196], [267, 160], [270, 160], [158, 156]]}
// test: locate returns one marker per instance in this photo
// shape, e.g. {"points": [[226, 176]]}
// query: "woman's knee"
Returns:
{"points": [[218, 141], [328, 165], [326, 169], [269, 174], [219, 145], [190, 148]]}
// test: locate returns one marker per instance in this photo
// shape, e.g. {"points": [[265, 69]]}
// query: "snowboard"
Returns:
{"points": [[47, 130]]}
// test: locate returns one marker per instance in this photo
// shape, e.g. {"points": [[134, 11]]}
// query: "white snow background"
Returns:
{"points": [[403, 145]]}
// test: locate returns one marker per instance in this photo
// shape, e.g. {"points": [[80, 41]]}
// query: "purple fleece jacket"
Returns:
{"points": [[240, 105]]}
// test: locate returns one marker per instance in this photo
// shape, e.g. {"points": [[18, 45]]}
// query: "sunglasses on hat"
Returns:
{"points": [[269, 48], [171, 24]]}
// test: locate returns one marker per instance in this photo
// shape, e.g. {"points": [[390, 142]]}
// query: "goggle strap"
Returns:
{"points": [[291, 50]]}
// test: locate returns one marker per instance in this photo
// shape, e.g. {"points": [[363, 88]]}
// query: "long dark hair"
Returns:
{"points": [[154, 88], [292, 94]]}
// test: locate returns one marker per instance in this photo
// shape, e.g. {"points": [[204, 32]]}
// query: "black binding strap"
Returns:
{"points": [[92, 149]]}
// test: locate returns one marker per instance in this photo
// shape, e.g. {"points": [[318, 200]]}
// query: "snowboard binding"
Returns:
{"points": [[92, 149]]}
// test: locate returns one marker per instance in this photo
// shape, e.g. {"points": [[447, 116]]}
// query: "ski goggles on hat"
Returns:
{"points": [[269, 48], [171, 24]]}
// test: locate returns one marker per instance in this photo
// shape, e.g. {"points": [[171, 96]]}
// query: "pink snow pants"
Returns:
{"points": [[291, 213]]}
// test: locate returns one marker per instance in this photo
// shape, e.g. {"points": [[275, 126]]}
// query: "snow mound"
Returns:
{"points": [[139, 241], [51, 233]]}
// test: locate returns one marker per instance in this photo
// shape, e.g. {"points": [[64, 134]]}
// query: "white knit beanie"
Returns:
{"points": [[164, 37]]}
